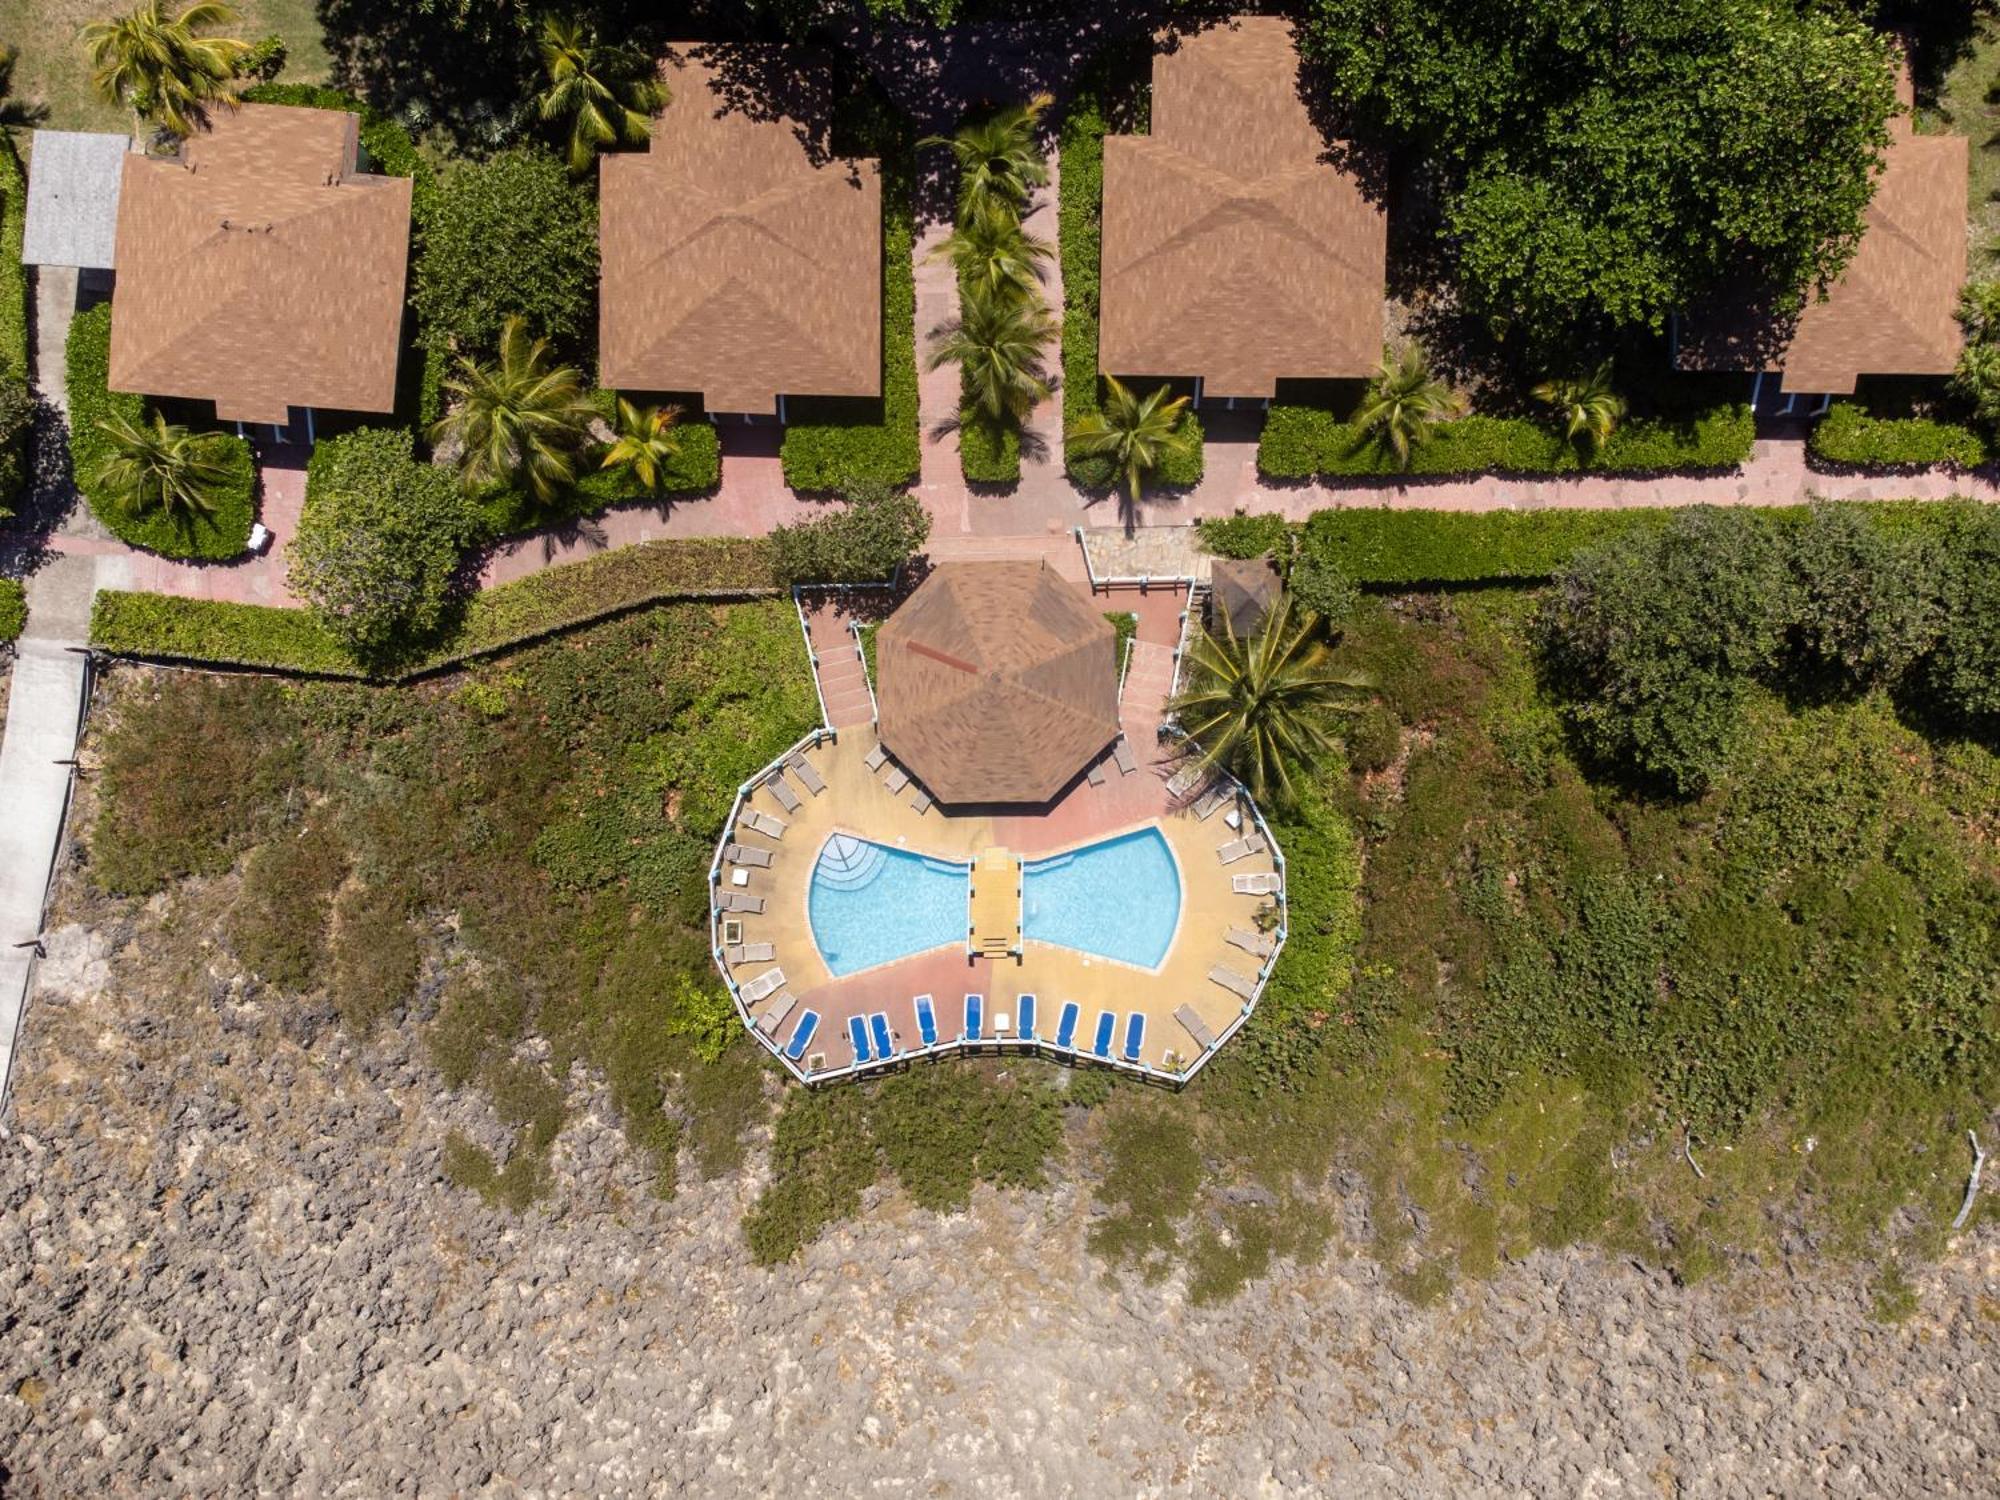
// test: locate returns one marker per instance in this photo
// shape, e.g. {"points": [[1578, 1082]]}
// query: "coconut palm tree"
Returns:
{"points": [[155, 466], [999, 342], [995, 257], [158, 67], [646, 443], [999, 161], [1404, 402], [603, 96], [522, 420], [1262, 708], [1136, 434], [1590, 409]]}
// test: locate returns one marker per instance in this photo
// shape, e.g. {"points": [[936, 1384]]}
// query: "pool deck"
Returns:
{"points": [[856, 801]]}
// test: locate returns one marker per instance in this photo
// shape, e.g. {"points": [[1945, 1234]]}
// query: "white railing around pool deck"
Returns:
{"points": [[867, 677], [812, 656]]}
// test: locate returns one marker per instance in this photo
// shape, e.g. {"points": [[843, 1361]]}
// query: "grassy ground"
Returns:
{"points": [[52, 68], [1968, 102], [1551, 993]]}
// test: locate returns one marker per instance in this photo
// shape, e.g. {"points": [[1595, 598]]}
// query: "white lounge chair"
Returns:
{"points": [[920, 799], [1095, 775], [896, 780], [1233, 850], [874, 758], [1195, 1027], [1268, 883], [762, 822], [737, 901], [803, 769], [1237, 984], [774, 1013], [767, 983], [1122, 753], [1217, 798], [1183, 782], [1260, 943], [743, 854], [787, 798], [747, 953]]}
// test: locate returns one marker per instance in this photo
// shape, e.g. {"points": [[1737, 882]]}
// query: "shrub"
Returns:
{"points": [[833, 443], [876, 530], [511, 234], [1849, 437], [161, 627], [1376, 545], [17, 417], [1305, 442], [379, 543], [695, 470], [13, 610], [1866, 595], [1650, 638], [1962, 673], [987, 452], [223, 534], [1247, 536], [277, 925], [1318, 584]]}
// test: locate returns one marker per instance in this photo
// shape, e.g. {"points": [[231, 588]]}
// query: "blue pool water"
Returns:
{"points": [[871, 904], [1119, 899]]}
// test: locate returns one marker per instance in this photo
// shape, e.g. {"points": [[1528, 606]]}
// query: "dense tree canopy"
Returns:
{"points": [[1617, 159]]}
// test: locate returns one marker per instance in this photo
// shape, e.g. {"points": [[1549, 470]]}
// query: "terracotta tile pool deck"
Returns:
{"points": [[857, 802]]}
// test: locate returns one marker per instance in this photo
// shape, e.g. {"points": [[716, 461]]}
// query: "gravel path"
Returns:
{"points": [[228, 1267]]}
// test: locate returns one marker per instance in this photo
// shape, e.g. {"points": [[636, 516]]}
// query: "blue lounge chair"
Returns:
{"points": [[857, 1033], [1107, 1022], [1024, 1024], [802, 1038], [1135, 1035], [879, 1024], [926, 1021], [974, 1004], [1066, 1027]]}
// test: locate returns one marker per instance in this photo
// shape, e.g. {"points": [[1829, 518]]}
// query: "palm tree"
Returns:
{"points": [[521, 419], [995, 257], [154, 466], [1404, 402], [1262, 707], [998, 343], [998, 160], [159, 68], [1591, 410], [1135, 434], [604, 96], [646, 445]]}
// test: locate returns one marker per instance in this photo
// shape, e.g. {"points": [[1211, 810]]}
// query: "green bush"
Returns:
{"points": [[1306, 442], [695, 470], [17, 420], [873, 533], [1247, 536], [1079, 246], [988, 453], [1849, 437], [1652, 638], [379, 543], [160, 627], [13, 610], [511, 234], [1376, 545], [1962, 674], [1867, 594], [830, 442]]}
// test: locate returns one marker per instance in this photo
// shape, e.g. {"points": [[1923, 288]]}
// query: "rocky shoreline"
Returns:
{"points": [[229, 1266]]}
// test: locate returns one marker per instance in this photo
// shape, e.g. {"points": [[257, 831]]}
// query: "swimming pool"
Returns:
{"points": [[1120, 899], [870, 904]]}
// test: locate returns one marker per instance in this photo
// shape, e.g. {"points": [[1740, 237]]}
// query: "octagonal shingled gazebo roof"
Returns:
{"points": [[999, 682]]}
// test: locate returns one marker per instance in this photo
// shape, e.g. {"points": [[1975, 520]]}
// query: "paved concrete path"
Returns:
{"points": [[44, 713]]}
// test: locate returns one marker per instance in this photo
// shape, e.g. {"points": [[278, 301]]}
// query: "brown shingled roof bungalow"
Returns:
{"points": [[260, 269], [998, 682], [733, 264], [1894, 309], [1233, 251]]}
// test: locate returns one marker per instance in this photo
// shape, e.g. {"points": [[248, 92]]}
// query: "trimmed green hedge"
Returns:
{"points": [[1079, 246], [831, 443], [1306, 442], [988, 453], [225, 534], [13, 610], [1386, 548], [1848, 436], [158, 626]]}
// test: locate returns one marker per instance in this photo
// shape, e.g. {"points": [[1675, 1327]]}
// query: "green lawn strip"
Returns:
{"points": [[1079, 246], [13, 609], [163, 628], [13, 275], [215, 537], [833, 442]]}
